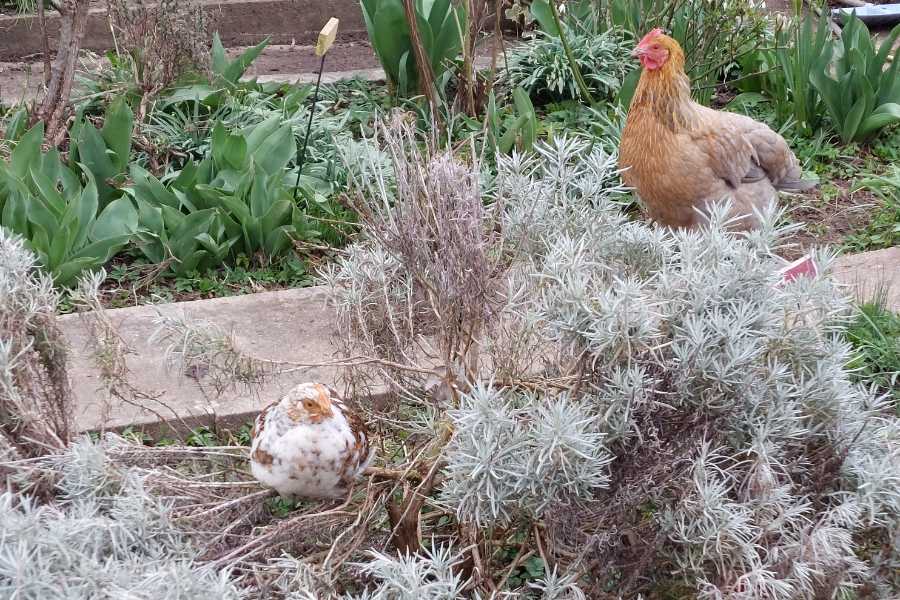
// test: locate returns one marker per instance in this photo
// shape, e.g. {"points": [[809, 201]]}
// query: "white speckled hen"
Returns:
{"points": [[309, 444]]}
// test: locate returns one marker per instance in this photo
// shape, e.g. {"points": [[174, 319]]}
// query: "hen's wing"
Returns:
{"points": [[742, 150], [258, 454]]}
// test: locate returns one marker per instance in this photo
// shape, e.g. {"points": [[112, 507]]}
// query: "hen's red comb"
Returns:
{"points": [[651, 35]]}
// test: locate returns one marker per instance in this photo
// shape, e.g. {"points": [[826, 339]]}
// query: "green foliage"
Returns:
{"points": [[15, 124], [245, 181], [229, 72], [517, 130], [713, 33], [127, 280], [548, 14], [236, 199], [244, 277], [808, 74], [193, 241], [228, 189], [280, 507], [875, 335], [213, 183], [541, 67], [136, 436], [440, 25], [202, 437], [243, 436], [106, 152], [861, 96], [183, 129], [61, 219], [782, 73], [883, 229], [100, 78], [532, 569], [886, 146]]}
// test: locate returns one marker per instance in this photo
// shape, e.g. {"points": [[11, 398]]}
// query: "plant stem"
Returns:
{"points": [[73, 16], [579, 80], [45, 43], [423, 65]]}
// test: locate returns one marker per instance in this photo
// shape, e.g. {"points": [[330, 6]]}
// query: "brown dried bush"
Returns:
{"points": [[35, 398], [163, 40]]}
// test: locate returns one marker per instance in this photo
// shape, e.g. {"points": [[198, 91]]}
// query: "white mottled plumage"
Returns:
{"points": [[308, 444]]}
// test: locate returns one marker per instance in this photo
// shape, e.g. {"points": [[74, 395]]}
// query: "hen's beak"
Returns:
{"points": [[638, 52]]}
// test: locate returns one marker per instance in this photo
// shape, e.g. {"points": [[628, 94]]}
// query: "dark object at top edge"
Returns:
{"points": [[876, 14]]}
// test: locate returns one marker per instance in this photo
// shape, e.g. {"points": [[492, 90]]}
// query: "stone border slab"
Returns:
{"points": [[872, 274], [292, 325]]}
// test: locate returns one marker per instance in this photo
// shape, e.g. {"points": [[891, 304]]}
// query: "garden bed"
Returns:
{"points": [[561, 399]]}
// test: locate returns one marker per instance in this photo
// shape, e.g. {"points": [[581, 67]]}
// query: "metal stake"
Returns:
{"points": [[326, 39], [312, 109]]}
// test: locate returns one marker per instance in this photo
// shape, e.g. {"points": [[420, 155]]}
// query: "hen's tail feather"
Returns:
{"points": [[796, 185]]}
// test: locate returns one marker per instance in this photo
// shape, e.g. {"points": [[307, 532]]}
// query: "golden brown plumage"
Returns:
{"points": [[681, 156]]}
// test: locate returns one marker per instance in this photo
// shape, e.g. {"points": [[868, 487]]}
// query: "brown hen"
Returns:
{"points": [[680, 156]]}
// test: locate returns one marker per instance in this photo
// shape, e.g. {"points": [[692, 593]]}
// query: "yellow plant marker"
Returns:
{"points": [[326, 36]]}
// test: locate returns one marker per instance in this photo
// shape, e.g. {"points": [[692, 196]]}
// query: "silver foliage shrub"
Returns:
{"points": [[433, 575], [665, 393], [556, 586], [108, 538], [519, 456], [426, 576], [698, 324]]}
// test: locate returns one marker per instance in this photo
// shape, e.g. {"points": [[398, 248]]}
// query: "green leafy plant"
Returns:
{"points": [[713, 33], [236, 200], [859, 93], [192, 242], [883, 228], [441, 26], [229, 72], [782, 73], [875, 335], [61, 219], [15, 123], [104, 152], [548, 15], [249, 187], [543, 69], [202, 437], [517, 130]]}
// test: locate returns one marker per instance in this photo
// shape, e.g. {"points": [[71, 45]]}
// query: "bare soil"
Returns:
{"points": [[828, 221], [22, 79], [302, 59]]}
